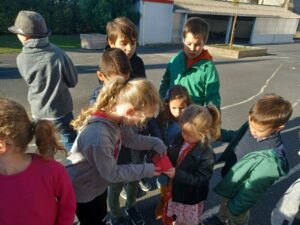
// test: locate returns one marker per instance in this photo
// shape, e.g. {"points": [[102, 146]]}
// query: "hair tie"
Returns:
{"points": [[33, 126], [126, 81]]}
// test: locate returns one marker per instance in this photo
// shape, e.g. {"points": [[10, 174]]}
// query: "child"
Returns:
{"points": [[48, 72], [103, 129], [34, 189], [193, 159], [254, 160], [122, 33], [114, 62], [166, 127], [193, 67]]}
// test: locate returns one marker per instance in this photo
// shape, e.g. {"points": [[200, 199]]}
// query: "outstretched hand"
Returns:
{"points": [[170, 173], [157, 171]]}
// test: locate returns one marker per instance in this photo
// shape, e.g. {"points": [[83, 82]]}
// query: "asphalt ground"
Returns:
{"points": [[242, 82]]}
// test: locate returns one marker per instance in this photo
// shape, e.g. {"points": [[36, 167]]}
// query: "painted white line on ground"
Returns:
{"points": [[260, 92], [210, 212], [291, 129], [296, 103]]}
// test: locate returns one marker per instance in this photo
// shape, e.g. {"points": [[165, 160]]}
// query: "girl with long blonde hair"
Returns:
{"points": [[103, 128]]}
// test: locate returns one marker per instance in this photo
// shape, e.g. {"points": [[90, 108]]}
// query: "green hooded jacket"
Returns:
{"points": [[251, 177], [201, 80]]}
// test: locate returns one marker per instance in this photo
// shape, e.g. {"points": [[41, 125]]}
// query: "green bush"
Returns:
{"points": [[96, 13], [69, 16]]}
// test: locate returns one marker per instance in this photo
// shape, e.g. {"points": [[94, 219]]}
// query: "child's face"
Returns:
{"points": [[22, 38], [177, 106], [260, 131], [125, 44], [189, 136], [192, 46]]}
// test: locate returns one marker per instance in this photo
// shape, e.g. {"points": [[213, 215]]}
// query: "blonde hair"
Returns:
{"points": [[203, 121], [17, 129], [140, 93]]}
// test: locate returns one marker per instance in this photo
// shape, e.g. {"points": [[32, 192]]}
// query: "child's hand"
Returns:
{"points": [[157, 171], [170, 173]]}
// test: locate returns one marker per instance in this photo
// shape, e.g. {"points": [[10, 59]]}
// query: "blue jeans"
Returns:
{"points": [[67, 134]]}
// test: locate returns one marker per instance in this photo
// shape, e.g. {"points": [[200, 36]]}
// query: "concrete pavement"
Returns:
{"points": [[242, 82]]}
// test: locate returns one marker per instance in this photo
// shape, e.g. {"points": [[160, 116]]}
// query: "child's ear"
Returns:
{"points": [[111, 44], [130, 111], [100, 75], [280, 128], [2, 147]]}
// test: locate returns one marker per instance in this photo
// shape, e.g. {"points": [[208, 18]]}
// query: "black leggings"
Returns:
{"points": [[93, 212]]}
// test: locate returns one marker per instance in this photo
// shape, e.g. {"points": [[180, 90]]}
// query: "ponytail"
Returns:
{"points": [[46, 139], [203, 122], [140, 93], [215, 129], [17, 128], [105, 102]]}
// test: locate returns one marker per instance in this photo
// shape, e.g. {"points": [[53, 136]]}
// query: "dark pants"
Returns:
{"points": [[67, 134], [93, 212]]}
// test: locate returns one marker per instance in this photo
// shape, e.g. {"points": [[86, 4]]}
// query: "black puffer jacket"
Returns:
{"points": [[191, 181]]}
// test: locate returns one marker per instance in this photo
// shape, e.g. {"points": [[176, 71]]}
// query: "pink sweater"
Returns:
{"points": [[40, 195]]}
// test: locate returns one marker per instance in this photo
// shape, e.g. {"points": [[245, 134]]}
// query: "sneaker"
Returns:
{"points": [[214, 220], [118, 221], [135, 216], [144, 185], [123, 194]]}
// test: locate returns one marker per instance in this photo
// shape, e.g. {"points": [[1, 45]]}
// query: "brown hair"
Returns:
{"points": [[114, 61], [198, 27], [17, 129], [271, 110], [203, 121], [121, 25], [140, 93], [174, 92]]}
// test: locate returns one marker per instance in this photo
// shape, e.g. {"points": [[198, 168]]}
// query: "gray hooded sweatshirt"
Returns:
{"points": [[49, 73], [92, 163]]}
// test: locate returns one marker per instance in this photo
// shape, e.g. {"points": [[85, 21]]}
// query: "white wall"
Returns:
{"points": [[156, 23], [178, 23], [273, 30], [271, 2]]}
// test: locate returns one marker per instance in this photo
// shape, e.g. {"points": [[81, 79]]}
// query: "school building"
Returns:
{"points": [[258, 21]]}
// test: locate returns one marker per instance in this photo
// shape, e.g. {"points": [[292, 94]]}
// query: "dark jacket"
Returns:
{"points": [[191, 181], [230, 156]]}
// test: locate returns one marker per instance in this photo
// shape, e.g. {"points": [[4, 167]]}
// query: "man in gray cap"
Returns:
{"points": [[48, 72]]}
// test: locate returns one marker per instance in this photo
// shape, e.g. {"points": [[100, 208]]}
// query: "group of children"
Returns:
{"points": [[104, 142]]}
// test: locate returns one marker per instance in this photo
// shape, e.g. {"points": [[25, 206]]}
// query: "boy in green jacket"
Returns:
{"points": [[254, 159], [193, 67]]}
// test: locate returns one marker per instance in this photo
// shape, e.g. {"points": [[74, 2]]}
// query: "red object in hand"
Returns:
{"points": [[162, 161]]}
